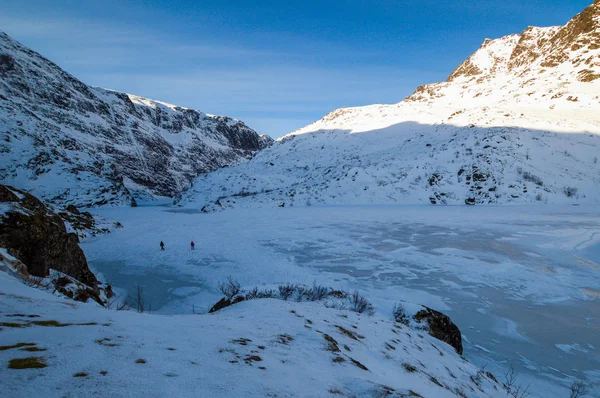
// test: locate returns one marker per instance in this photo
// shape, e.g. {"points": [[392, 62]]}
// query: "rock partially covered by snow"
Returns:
{"points": [[441, 327], [39, 239]]}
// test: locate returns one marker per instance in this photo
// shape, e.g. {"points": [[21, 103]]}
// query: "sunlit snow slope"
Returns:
{"points": [[67, 142], [517, 122]]}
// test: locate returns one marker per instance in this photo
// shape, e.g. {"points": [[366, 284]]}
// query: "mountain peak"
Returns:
{"points": [[492, 56], [537, 66]]}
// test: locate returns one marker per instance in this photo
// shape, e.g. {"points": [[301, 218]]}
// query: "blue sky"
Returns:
{"points": [[277, 65]]}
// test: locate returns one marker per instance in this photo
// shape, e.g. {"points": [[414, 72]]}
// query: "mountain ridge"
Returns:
{"points": [[70, 143], [511, 124]]}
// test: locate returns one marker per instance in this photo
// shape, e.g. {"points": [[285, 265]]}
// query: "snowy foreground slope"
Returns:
{"points": [[256, 348], [517, 122], [69, 143]]}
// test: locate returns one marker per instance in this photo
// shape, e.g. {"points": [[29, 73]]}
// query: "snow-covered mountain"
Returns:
{"points": [[73, 144], [517, 122]]}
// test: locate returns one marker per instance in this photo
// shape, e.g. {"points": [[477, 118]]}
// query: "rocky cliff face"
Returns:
{"points": [[74, 144], [517, 122], [538, 65], [38, 238]]}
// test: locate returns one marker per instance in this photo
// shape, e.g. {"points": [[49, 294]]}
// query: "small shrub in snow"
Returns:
{"points": [[137, 301], [512, 388], [527, 176], [298, 292], [340, 294], [253, 294], [337, 299], [360, 304], [286, 291], [258, 294], [317, 292], [570, 191], [116, 303], [399, 314], [302, 293], [539, 197], [229, 288], [578, 389], [409, 368], [480, 374]]}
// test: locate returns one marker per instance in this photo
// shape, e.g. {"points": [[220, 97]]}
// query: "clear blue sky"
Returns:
{"points": [[277, 65]]}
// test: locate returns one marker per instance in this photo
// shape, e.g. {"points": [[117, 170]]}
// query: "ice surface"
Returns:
{"points": [[515, 280]]}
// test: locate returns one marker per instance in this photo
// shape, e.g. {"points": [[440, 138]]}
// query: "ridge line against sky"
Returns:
{"points": [[277, 66]]}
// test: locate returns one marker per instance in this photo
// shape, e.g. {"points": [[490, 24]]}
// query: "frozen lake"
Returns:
{"points": [[522, 283]]}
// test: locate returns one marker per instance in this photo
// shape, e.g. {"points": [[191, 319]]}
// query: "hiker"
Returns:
{"points": [[162, 245], [192, 245]]}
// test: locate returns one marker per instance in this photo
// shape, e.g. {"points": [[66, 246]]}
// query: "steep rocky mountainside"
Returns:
{"points": [[73, 144], [517, 122]]}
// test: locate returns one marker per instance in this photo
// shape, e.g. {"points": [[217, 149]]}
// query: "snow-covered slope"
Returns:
{"points": [[517, 122], [70, 143], [257, 348]]}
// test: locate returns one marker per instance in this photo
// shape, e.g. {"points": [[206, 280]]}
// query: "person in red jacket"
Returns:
{"points": [[192, 245]]}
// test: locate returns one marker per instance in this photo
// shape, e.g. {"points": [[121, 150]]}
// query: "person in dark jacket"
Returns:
{"points": [[162, 245], [192, 245]]}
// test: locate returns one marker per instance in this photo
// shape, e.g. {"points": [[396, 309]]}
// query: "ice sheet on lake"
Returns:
{"points": [[520, 282]]}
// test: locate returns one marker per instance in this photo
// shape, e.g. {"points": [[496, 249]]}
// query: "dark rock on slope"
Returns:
{"points": [[441, 327], [39, 239]]}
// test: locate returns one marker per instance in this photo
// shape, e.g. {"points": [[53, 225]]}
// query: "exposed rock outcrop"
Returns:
{"points": [[441, 327], [225, 302], [82, 222], [39, 239]]}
